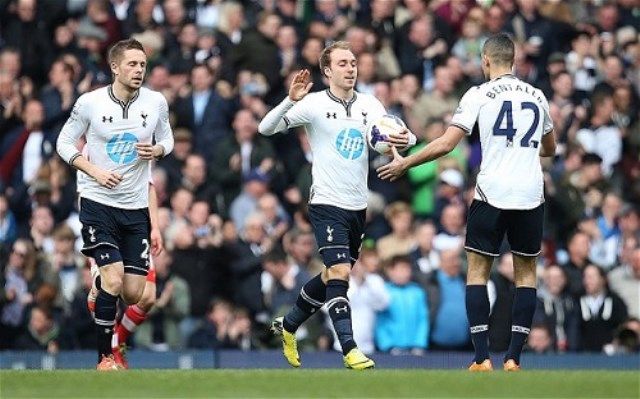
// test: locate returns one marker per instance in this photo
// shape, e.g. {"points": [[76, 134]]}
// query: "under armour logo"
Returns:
{"points": [[364, 118], [342, 309], [109, 119], [332, 115], [105, 256], [342, 256], [329, 234], [107, 331], [92, 232], [144, 116]]}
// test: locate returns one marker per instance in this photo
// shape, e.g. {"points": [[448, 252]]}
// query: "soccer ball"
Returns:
{"points": [[379, 130]]}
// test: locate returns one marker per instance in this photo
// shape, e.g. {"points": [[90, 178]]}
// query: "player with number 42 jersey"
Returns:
{"points": [[512, 118], [513, 114]]}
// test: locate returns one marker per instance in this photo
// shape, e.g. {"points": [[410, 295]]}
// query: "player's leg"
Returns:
{"points": [[100, 243], [95, 287], [133, 316], [311, 298], [337, 278], [134, 246], [485, 231], [525, 238], [111, 276]]}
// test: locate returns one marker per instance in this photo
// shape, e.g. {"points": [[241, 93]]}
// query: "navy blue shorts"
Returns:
{"points": [[487, 225], [105, 228], [338, 232]]}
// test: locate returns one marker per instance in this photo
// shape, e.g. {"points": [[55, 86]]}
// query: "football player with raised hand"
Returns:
{"points": [[335, 120]]}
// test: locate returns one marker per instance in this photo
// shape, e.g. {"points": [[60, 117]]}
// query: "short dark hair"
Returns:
{"points": [[325, 56], [399, 259], [276, 255], [117, 50], [500, 49], [591, 158]]}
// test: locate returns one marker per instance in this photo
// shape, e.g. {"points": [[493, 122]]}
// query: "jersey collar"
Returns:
{"points": [[346, 104], [506, 75], [122, 104]]}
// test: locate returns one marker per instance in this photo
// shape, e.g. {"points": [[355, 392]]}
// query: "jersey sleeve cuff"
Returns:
{"points": [[459, 126], [73, 157]]}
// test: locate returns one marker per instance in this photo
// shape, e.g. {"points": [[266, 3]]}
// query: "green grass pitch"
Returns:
{"points": [[318, 384]]}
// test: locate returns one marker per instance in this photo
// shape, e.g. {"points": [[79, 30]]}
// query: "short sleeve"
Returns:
{"points": [[466, 115], [547, 122]]}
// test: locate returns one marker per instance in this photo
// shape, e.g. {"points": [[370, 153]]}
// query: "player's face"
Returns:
{"points": [[344, 69], [131, 69]]}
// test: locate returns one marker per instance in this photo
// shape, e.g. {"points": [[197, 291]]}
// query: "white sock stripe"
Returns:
{"points": [[333, 247], [128, 323], [307, 298], [520, 329], [480, 328], [105, 322], [336, 301]]}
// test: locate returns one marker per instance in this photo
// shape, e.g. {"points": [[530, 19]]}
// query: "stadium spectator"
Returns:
{"points": [[64, 265], [601, 311], [246, 264], [213, 331], [557, 310], [401, 240], [436, 102], [20, 276], [42, 333], [425, 258], [445, 290], [539, 341], [625, 282], [600, 135], [403, 326], [451, 231], [254, 187], [8, 227], [238, 155], [578, 247], [204, 112]]}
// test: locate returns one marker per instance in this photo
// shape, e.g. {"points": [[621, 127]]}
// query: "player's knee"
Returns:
{"points": [[339, 271], [111, 283], [133, 295], [148, 298]]}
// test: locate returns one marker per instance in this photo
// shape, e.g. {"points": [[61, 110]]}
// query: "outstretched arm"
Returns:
{"points": [[434, 150]]}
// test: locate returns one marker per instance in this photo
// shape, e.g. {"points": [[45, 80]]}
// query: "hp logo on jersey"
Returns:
{"points": [[350, 143], [122, 148]]}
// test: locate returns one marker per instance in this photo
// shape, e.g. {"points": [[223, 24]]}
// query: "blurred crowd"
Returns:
{"points": [[238, 241]]}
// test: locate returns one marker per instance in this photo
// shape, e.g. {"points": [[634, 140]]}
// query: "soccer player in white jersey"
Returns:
{"points": [[120, 123], [515, 130], [335, 121]]}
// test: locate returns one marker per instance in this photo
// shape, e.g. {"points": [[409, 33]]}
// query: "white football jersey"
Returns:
{"points": [[112, 128], [511, 116], [336, 131]]}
